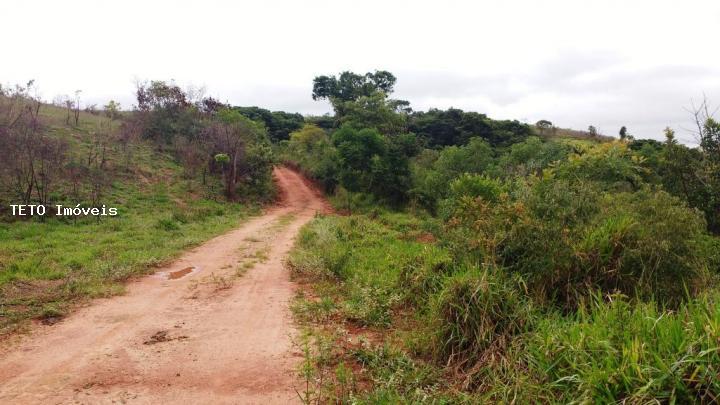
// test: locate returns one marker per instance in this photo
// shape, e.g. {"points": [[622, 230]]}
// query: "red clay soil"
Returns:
{"points": [[194, 332]]}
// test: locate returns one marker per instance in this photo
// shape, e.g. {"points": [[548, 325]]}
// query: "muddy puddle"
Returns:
{"points": [[174, 275]]}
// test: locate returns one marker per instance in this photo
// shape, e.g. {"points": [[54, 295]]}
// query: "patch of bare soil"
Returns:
{"points": [[198, 331]]}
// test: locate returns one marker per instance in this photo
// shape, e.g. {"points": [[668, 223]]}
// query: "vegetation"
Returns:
{"points": [[474, 260], [491, 261], [156, 165]]}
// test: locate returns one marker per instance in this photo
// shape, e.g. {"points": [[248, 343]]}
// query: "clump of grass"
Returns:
{"points": [[396, 376], [319, 254], [315, 311], [423, 276], [371, 305], [51, 312], [476, 317], [167, 224], [619, 351], [321, 382]]}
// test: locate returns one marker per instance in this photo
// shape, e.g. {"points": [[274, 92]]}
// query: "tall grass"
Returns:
{"points": [[490, 339]]}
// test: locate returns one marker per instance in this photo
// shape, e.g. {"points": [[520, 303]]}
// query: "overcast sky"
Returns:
{"points": [[576, 63]]}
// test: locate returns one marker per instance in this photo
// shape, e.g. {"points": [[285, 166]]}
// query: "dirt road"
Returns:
{"points": [[213, 327]]}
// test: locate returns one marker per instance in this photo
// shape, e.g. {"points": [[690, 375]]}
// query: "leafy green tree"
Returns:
{"points": [[372, 111], [530, 157], [372, 163], [357, 149], [434, 171], [623, 132], [391, 172], [456, 127], [611, 164], [449, 127], [350, 86]]}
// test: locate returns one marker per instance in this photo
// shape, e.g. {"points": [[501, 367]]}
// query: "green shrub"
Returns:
{"points": [[711, 250], [476, 316], [647, 243], [611, 164], [568, 239]]}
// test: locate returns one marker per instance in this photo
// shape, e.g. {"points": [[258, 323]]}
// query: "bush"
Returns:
{"points": [[530, 157], [647, 243], [310, 148], [612, 165], [433, 172], [568, 240], [476, 317], [470, 186]]}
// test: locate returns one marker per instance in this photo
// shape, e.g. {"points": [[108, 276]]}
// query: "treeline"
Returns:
{"points": [[367, 147], [43, 164], [377, 146]]}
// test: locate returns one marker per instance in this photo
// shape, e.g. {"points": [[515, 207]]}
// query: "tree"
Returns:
{"points": [[233, 135], [623, 133], [373, 111], [543, 125], [592, 131], [363, 100], [350, 86], [165, 112], [357, 148], [456, 127], [31, 162], [708, 135], [69, 106]]}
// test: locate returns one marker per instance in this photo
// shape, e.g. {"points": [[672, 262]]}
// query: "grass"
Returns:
{"points": [[47, 265], [351, 268], [393, 318]]}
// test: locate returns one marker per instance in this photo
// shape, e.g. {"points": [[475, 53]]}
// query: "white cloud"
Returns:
{"points": [[606, 63]]}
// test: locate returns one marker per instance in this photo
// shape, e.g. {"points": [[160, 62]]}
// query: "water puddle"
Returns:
{"points": [[180, 273], [174, 275]]}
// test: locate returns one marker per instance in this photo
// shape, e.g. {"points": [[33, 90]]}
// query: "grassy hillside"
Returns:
{"points": [[568, 133], [48, 263]]}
